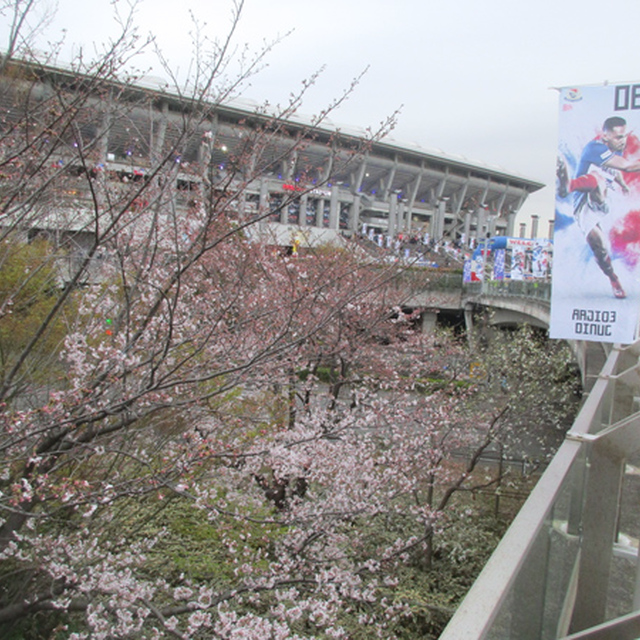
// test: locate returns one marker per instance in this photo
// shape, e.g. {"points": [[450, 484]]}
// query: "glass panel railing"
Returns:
{"points": [[534, 606], [524, 591], [622, 599], [539, 290], [516, 595]]}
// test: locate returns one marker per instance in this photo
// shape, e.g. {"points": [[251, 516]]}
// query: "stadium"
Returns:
{"points": [[301, 177]]}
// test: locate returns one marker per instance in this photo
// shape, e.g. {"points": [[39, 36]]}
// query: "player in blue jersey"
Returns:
{"points": [[601, 168]]}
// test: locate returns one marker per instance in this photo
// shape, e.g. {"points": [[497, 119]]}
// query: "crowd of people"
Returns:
{"points": [[419, 247]]}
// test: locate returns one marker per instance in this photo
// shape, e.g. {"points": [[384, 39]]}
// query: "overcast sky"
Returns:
{"points": [[473, 78]]}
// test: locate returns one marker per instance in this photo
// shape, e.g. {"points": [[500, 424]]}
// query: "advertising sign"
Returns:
{"points": [[540, 261], [518, 261], [466, 271], [498, 264], [596, 270], [476, 268]]}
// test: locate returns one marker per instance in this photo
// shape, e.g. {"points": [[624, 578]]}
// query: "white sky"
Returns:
{"points": [[473, 77]]}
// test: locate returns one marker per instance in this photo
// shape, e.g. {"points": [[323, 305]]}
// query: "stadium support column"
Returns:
{"points": [[388, 183], [334, 216], [106, 123], [441, 200], [302, 213], [491, 225], [481, 230], [263, 206], [481, 212], [499, 209], [511, 222], [467, 226], [160, 132], [511, 225], [438, 227], [356, 188], [393, 205], [289, 166], [414, 194], [284, 210], [320, 212], [354, 214], [105, 128], [205, 153], [403, 223]]}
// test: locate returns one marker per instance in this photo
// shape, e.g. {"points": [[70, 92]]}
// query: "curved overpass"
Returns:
{"points": [[510, 303], [515, 302]]}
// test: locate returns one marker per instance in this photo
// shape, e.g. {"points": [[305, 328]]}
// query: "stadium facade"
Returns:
{"points": [[314, 179]]}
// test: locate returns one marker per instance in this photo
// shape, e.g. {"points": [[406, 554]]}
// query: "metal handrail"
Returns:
{"points": [[505, 600]]}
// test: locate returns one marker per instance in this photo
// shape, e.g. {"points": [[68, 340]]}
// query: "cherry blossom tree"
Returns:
{"points": [[201, 435], [141, 325]]}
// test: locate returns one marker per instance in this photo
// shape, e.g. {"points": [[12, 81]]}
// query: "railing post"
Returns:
{"points": [[530, 593], [599, 531], [578, 479]]}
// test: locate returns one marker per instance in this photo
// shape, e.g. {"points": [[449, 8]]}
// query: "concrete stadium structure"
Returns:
{"points": [[329, 185]]}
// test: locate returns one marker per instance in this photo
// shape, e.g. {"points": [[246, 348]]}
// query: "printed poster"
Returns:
{"points": [[596, 270], [518, 262], [466, 271], [540, 260], [499, 264], [476, 269]]}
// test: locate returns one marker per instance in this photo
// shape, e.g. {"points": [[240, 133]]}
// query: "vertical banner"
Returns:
{"points": [[466, 270], [596, 266], [498, 264], [540, 261], [518, 261], [477, 264]]}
